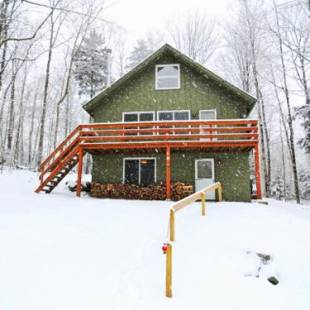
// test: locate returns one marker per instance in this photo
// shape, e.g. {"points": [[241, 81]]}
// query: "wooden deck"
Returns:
{"points": [[96, 138]]}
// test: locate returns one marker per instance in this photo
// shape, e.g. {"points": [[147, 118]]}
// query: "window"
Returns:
{"points": [[173, 115], [167, 76], [140, 171], [138, 117]]}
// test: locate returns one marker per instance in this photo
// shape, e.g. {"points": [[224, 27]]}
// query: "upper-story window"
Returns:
{"points": [[167, 76], [178, 115]]}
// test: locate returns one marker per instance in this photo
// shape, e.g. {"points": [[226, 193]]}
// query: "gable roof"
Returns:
{"points": [[168, 49]]}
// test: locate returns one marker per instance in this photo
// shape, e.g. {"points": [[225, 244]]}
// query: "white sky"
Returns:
{"points": [[140, 16]]}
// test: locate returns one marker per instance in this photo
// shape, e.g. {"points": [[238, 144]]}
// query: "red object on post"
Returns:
{"points": [[165, 248]]}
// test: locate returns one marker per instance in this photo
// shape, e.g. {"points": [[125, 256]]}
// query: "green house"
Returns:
{"points": [[168, 121], [169, 90]]}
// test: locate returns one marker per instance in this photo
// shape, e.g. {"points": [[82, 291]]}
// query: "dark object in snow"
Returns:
{"points": [[273, 280], [265, 258], [263, 202], [85, 187]]}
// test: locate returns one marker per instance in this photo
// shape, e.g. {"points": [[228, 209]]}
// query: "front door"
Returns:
{"points": [[204, 175]]}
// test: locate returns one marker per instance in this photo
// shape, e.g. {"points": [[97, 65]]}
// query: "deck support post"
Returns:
{"points": [[257, 173], [79, 175], [168, 173]]}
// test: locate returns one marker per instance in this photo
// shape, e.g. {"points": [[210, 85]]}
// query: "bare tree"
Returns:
{"points": [[195, 35], [276, 30], [54, 31]]}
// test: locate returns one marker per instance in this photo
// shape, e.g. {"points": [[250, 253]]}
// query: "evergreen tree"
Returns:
{"points": [[138, 54], [92, 65], [304, 113], [304, 179]]}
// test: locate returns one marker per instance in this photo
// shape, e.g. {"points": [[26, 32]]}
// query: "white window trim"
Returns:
{"points": [[168, 65], [204, 159], [173, 111], [213, 110], [138, 113], [140, 158]]}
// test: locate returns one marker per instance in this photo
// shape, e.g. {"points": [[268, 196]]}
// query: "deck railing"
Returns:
{"points": [[154, 134]]}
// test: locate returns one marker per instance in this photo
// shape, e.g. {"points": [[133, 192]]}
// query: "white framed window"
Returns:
{"points": [[140, 116], [174, 115], [207, 114], [167, 76], [139, 170]]}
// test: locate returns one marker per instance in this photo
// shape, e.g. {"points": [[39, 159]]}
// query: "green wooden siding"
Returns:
{"points": [[231, 169], [196, 93]]}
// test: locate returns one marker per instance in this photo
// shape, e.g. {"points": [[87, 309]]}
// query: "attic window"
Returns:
{"points": [[167, 76]]}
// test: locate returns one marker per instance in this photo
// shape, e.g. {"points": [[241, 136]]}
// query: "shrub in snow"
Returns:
{"points": [[277, 189], [304, 179]]}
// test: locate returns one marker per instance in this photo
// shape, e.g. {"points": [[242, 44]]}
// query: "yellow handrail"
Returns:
{"points": [[190, 199], [176, 207]]}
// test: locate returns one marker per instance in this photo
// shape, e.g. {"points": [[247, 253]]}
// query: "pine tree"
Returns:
{"points": [[138, 54], [304, 179], [92, 65], [304, 113]]}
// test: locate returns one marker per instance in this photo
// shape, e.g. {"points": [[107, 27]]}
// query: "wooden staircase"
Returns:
{"points": [[59, 163]]}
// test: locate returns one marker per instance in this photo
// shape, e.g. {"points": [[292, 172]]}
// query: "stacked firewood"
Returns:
{"points": [[180, 191], [132, 191]]}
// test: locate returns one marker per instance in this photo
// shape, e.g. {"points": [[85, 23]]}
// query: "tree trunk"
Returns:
{"points": [[289, 112], [45, 93], [30, 136]]}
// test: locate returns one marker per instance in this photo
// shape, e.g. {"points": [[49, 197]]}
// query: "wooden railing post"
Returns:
{"points": [[168, 173], [169, 270], [203, 203], [172, 225]]}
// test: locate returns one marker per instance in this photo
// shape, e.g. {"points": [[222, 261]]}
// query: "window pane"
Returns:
{"points": [[167, 77], [130, 117], [147, 171], [146, 117], [132, 171], [168, 71], [204, 169], [205, 115], [165, 116], [178, 116], [171, 82]]}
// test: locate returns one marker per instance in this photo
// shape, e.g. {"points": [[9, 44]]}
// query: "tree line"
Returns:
{"points": [[56, 56]]}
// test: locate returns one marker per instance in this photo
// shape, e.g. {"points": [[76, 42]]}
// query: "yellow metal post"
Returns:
{"points": [[219, 191], [203, 203], [171, 225], [169, 271]]}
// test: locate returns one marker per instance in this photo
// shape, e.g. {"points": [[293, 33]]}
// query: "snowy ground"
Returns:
{"points": [[61, 252]]}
